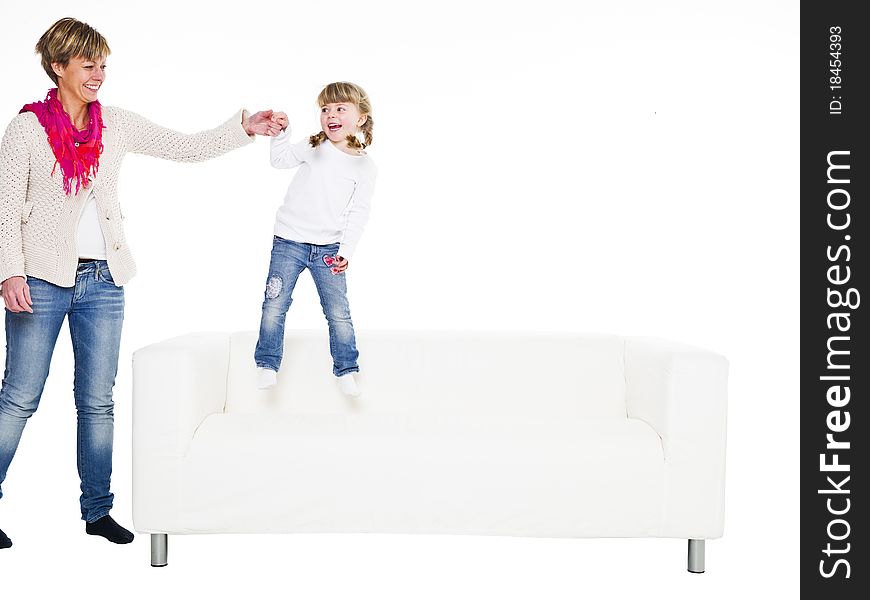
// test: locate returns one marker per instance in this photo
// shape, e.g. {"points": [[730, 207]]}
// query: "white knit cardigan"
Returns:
{"points": [[39, 222]]}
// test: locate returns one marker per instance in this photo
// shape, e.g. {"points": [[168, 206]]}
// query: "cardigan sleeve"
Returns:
{"points": [[14, 176], [144, 137]]}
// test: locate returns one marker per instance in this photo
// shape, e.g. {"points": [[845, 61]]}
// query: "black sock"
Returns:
{"points": [[110, 530], [5, 542]]}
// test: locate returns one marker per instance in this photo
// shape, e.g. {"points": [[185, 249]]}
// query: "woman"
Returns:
{"points": [[63, 251]]}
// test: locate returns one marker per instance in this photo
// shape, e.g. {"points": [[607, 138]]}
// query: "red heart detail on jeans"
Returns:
{"points": [[329, 260]]}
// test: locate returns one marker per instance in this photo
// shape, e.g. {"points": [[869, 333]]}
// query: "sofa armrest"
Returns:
{"points": [[177, 383], [681, 391]]}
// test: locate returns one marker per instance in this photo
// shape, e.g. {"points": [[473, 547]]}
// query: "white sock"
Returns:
{"points": [[348, 385], [266, 378]]}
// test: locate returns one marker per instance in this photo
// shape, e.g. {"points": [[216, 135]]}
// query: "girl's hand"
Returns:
{"points": [[261, 123], [16, 295], [281, 119], [340, 265]]}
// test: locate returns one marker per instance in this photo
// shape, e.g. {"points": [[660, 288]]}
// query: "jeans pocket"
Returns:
{"points": [[105, 275]]}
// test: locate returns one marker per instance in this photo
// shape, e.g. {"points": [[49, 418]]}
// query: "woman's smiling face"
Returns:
{"points": [[81, 79]]}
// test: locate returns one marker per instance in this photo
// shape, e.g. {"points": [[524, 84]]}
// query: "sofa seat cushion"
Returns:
{"points": [[545, 477]]}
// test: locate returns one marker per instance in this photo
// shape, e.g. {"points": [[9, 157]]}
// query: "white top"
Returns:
{"points": [[91, 242], [329, 199]]}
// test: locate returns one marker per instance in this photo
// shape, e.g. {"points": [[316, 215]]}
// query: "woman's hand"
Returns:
{"points": [[340, 265], [261, 123], [281, 119], [16, 295]]}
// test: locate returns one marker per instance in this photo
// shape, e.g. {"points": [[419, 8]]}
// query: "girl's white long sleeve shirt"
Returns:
{"points": [[329, 199]]}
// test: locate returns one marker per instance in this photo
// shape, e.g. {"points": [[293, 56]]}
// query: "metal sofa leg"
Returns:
{"points": [[696, 556], [159, 549]]}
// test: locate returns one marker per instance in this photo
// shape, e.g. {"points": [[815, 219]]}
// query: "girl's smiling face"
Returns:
{"points": [[81, 79], [339, 120]]}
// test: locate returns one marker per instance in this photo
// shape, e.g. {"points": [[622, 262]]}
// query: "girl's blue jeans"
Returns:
{"points": [[288, 260], [95, 308]]}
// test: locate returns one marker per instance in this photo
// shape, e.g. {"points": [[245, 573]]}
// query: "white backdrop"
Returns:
{"points": [[548, 166]]}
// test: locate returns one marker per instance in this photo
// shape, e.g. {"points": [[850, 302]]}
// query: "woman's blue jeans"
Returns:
{"points": [[95, 307], [288, 261]]}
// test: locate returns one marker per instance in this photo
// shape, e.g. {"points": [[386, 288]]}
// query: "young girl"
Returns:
{"points": [[318, 226]]}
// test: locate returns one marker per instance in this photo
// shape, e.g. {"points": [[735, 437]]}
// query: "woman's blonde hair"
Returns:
{"points": [[344, 91], [67, 39]]}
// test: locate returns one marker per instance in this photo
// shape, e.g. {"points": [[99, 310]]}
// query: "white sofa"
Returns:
{"points": [[544, 435]]}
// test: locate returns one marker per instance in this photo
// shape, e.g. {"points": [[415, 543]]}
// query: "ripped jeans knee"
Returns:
{"points": [[273, 287]]}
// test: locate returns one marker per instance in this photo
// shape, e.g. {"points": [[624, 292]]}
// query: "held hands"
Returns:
{"points": [[262, 123], [281, 119], [16, 295]]}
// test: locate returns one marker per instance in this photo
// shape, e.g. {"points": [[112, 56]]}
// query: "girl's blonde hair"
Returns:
{"points": [[67, 39], [344, 91]]}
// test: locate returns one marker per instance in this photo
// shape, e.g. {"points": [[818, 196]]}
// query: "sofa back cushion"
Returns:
{"points": [[450, 373]]}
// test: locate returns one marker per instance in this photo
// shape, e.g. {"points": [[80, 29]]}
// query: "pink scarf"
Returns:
{"points": [[77, 152]]}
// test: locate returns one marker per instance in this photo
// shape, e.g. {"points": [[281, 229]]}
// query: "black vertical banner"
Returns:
{"points": [[835, 374]]}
